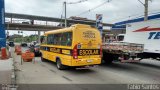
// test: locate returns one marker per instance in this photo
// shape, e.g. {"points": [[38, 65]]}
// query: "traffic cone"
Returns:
{"points": [[3, 53]]}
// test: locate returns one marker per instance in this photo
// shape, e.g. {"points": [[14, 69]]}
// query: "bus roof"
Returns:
{"points": [[69, 28], [58, 31]]}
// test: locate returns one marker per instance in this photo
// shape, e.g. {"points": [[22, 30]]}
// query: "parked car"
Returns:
{"points": [[33, 43], [11, 43], [24, 44]]}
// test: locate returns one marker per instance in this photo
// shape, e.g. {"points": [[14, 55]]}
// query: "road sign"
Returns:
{"points": [[2, 25], [99, 24]]}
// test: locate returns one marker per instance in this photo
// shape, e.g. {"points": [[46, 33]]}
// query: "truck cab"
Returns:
{"points": [[120, 37]]}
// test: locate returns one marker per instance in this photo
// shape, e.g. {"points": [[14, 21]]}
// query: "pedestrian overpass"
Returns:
{"points": [[11, 25]]}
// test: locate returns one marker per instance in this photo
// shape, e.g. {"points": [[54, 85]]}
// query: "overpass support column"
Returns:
{"points": [[39, 36], [2, 25]]}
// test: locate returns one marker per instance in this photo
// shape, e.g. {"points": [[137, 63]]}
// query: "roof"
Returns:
{"points": [[58, 31]]}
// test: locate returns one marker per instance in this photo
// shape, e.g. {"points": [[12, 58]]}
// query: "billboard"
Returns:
{"points": [[2, 25], [99, 24]]}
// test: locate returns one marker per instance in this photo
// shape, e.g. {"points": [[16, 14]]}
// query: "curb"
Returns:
{"points": [[13, 85]]}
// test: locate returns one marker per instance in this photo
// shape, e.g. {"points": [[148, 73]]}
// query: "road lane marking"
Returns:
{"points": [[52, 70], [66, 78]]}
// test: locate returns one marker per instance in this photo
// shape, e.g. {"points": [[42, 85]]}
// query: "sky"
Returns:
{"points": [[113, 11]]}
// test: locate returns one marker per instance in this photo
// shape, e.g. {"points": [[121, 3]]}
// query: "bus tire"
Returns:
{"points": [[42, 59], [59, 65]]}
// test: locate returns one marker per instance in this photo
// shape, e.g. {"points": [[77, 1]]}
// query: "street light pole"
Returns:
{"points": [[35, 38], [65, 14], [65, 9], [22, 36]]}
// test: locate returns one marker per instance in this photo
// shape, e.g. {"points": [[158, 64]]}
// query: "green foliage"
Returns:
{"points": [[25, 39]]}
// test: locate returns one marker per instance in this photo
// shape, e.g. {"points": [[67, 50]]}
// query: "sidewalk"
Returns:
{"points": [[6, 71]]}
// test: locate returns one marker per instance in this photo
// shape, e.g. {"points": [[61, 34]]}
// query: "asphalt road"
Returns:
{"points": [[144, 72]]}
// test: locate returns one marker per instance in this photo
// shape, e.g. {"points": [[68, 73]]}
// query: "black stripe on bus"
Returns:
{"points": [[56, 50], [81, 52]]}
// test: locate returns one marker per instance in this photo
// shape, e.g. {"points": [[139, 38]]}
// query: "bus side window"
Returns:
{"points": [[66, 39], [50, 39], [69, 39], [57, 39]]}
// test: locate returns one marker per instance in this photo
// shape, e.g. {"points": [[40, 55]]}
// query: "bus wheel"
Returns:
{"points": [[42, 59], [60, 66]]}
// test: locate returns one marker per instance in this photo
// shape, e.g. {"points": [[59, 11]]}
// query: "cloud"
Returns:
{"points": [[114, 11]]}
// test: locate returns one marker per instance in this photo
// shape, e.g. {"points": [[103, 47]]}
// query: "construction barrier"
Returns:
{"points": [[4, 53], [27, 56]]}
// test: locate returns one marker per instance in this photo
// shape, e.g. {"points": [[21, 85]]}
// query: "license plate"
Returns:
{"points": [[89, 61]]}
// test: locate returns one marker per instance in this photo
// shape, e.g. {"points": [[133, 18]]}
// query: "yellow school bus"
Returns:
{"points": [[76, 46]]}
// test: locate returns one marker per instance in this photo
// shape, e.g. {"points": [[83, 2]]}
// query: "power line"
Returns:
{"points": [[134, 16], [94, 8], [80, 1]]}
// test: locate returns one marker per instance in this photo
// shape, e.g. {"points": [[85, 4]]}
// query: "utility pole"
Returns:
{"points": [[65, 14], [65, 9], [22, 37], [146, 10], [35, 38]]}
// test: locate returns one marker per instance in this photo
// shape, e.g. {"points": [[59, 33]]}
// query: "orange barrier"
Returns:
{"points": [[18, 49], [27, 56], [4, 53]]}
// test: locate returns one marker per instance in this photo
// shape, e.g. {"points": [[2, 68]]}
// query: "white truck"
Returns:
{"points": [[147, 33], [142, 40]]}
